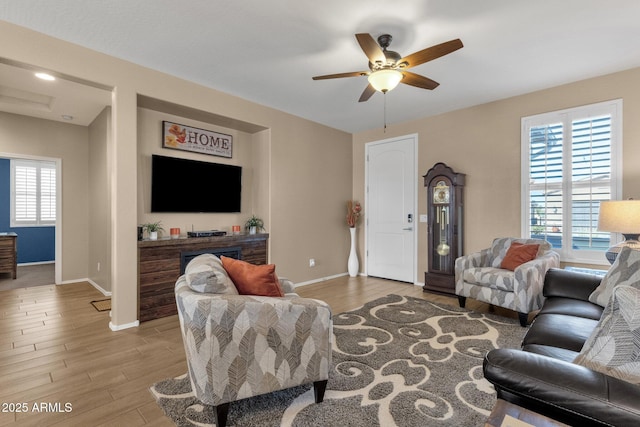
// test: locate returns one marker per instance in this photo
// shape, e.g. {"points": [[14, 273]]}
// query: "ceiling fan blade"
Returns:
{"points": [[368, 92], [340, 75], [371, 48], [431, 53], [417, 80]]}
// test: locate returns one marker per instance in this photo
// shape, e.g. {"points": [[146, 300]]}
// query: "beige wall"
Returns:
{"points": [[21, 135], [99, 265], [308, 165], [261, 182], [484, 143], [311, 183]]}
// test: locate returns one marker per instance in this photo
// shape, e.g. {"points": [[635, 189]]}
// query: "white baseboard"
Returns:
{"points": [[91, 282], [116, 328], [99, 288], [322, 279], [72, 282], [26, 264]]}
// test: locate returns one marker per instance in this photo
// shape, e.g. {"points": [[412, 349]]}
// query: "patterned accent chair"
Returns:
{"points": [[239, 346], [479, 276]]}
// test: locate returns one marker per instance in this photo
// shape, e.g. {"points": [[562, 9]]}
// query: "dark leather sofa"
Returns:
{"points": [[541, 376]]}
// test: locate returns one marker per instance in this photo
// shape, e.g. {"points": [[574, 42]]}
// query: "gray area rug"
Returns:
{"points": [[397, 361]]}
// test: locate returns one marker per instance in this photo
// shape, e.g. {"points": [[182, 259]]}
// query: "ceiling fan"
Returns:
{"points": [[388, 68]]}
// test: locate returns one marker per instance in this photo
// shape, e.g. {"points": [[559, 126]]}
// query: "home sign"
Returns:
{"points": [[187, 138]]}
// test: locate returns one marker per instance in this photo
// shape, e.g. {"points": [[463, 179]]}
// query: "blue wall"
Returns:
{"points": [[35, 244]]}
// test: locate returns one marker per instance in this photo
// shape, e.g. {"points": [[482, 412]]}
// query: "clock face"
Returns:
{"points": [[441, 193]]}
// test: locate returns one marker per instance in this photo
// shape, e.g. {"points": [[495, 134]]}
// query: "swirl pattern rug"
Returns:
{"points": [[397, 361]]}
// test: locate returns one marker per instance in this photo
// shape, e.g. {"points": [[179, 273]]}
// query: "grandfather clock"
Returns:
{"points": [[444, 215]]}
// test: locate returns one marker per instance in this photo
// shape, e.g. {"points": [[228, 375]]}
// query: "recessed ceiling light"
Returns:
{"points": [[67, 117], [45, 76]]}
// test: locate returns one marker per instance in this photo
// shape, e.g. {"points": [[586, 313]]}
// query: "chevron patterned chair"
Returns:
{"points": [[484, 277], [239, 346]]}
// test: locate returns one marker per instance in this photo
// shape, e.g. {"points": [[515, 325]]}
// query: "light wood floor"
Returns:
{"points": [[55, 348]]}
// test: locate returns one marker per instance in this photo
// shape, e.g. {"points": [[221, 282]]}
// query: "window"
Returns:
{"points": [[33, 193], [571, 161]]}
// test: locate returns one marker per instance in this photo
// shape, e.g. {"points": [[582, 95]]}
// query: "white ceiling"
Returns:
{"points": [[267, 51], [21, 92]]}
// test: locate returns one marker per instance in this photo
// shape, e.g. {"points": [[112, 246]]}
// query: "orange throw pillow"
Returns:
{"points": [[518, 254], [253, 279]]}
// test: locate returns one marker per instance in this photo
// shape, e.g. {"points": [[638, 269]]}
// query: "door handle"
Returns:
{"points": [[408, 228]]}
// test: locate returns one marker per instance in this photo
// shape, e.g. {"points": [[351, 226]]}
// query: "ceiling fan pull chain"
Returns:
{"points": [[385, 112]]}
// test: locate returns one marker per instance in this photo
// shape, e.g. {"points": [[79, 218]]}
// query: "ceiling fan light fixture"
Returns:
{"points": [[385, 80]]}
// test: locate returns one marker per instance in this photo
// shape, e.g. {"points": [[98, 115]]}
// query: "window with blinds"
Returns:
{"points": [[570, 163], [33, 193]]}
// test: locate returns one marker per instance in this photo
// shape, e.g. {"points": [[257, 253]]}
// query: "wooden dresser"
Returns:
{"points": [[9, 253], [161, 262]]}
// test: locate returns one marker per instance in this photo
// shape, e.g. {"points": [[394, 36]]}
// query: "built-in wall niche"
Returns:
{"points": [[251, 151]]}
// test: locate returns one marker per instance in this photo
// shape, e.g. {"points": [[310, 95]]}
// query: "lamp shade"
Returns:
{"points": [[620, 216], [385, 80]]}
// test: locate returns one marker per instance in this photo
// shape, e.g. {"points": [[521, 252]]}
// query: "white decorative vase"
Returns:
{"points": [[153, 235], [252, 230], [353, 265]]}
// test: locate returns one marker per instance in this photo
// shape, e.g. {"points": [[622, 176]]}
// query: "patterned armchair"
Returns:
{"points": [[479, 276], [239, 346]]}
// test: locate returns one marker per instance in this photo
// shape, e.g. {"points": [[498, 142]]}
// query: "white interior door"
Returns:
{"points": [[390, 208]]}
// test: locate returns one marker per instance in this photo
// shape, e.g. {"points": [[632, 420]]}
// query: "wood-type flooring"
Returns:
{"points": [[61, 365]]}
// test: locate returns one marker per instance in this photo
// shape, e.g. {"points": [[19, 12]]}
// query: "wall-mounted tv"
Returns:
{"points": [[183, 185]]}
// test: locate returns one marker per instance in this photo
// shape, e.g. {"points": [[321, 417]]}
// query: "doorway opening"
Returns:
{"points": [[38, 239]]}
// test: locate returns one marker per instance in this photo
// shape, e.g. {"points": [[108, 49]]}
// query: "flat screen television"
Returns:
{"points": [[183, 185]]}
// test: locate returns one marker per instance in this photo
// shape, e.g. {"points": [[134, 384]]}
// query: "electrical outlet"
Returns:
{"points": [[98, 266], [312, 262]]}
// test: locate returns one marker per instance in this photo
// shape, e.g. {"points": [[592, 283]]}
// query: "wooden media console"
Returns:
{"points": [[161, 262]]}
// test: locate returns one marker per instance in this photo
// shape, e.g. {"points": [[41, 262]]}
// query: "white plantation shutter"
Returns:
{"points": [[570, 163], [33, 193], [26, 194], [47, 194], [591, 183], [545, 180]]}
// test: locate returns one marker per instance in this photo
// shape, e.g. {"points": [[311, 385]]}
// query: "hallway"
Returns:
{"points": [[29, 276]]}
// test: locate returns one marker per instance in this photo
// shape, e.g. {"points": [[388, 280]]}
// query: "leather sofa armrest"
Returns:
{"points": [[563, 388], [569, 284]]}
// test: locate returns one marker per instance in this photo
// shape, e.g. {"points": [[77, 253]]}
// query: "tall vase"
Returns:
{"points": [[353, 265]]}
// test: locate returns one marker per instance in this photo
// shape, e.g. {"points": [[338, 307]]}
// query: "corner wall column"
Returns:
{"points": [[122, 166]]}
